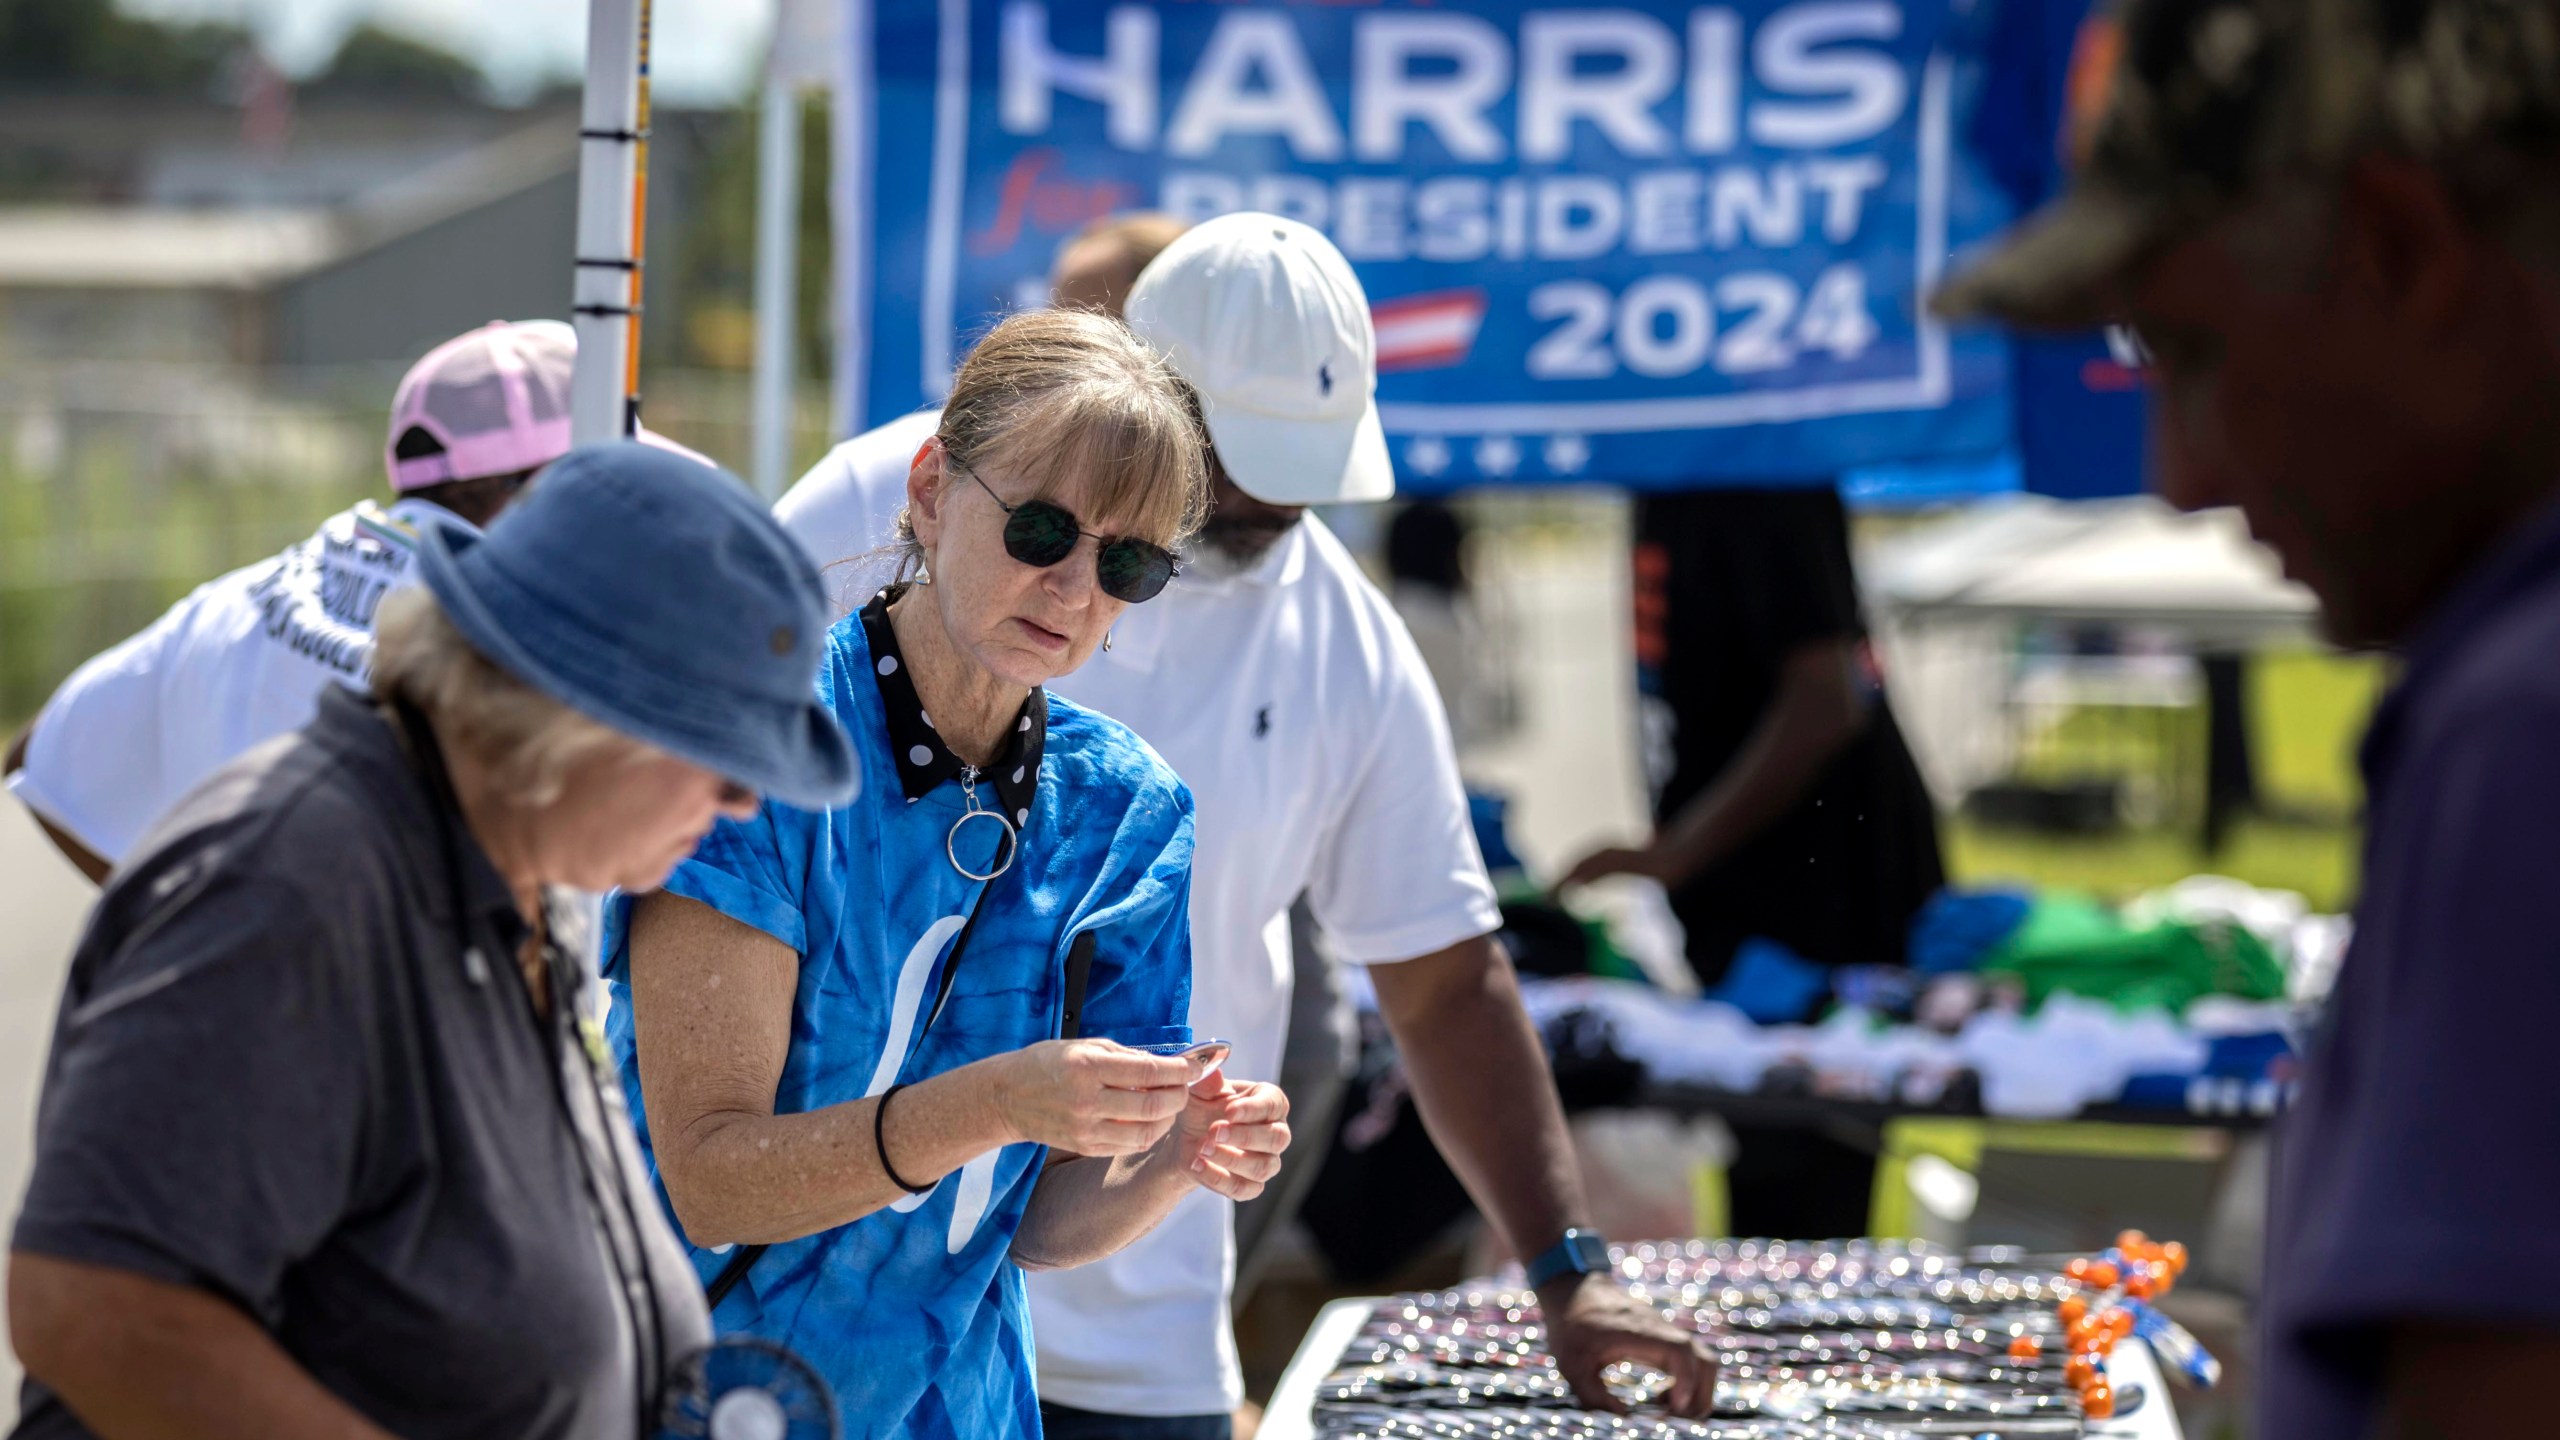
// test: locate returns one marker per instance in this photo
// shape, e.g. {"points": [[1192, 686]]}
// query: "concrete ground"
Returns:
{"points": [[43, 902]]}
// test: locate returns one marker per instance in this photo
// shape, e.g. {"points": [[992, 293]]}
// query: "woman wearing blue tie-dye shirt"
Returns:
{"points": [[840, 1028]]}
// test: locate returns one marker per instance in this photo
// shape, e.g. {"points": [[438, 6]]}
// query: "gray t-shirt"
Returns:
{"points": [[277, 1076]]}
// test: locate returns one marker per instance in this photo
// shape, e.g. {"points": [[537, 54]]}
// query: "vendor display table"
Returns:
{"points": [[1291, 1414]]}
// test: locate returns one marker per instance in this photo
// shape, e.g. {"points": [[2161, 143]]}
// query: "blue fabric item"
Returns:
{"points": [[1958, 927], [1885, 989], [2267, 1056], [916, 1314], [2251, 1059], [2157, 1090], [1488, 812], [1771, 983], [2414, 1175], [650, 591]]}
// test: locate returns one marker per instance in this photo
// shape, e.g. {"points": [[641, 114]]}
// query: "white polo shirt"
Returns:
{"points": [[242, 659], [1292, 701]]}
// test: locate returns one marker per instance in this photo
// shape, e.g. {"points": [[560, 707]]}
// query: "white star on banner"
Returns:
{"points": [[1567, 454], [1428, 455], [1497, 455]]}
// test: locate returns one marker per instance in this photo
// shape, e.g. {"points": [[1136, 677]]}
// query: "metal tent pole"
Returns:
{"points": [[613, 179], [777, 282]]}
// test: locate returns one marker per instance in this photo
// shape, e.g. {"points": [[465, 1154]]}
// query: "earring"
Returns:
{"points": [[1107, 634]]}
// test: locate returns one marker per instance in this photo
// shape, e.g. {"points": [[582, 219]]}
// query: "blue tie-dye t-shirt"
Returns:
{"points": [[915, 1314]]}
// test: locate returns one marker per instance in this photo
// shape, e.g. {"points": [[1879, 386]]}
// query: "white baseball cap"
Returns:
{"points": [[1265, 319]]}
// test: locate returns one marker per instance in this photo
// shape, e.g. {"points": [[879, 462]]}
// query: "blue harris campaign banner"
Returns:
{"points": [[2080, 402], [1655, 243]]}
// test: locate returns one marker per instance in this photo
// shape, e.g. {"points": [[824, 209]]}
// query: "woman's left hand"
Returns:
{"points": [[1231, 1136]]}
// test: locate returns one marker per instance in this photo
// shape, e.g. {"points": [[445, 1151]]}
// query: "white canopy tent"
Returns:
{"points": [[2132, 562], [1950, 597]]}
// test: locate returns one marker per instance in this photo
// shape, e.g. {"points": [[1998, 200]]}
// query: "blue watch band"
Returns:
{"points": [[1580, 1252]]}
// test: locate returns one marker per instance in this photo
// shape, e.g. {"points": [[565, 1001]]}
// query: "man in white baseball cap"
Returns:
{"points": [[1264, 317], [1284, 690]]}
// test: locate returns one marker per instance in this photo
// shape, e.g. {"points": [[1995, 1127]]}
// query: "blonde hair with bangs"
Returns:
{"points": [[1055, 394]]}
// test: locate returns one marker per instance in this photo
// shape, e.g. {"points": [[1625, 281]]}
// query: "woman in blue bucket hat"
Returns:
{"points": [[327, 1145], [888, 1055]]}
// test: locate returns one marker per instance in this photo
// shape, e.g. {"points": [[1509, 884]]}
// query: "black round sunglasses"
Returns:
{"points": [[1040, 533]]}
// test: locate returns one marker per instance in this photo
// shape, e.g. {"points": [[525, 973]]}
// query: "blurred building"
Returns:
{"points": [[169, 233]]}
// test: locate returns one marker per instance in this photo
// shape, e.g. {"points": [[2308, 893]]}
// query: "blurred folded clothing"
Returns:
{"points": [[2205, 935], [1959, 927], [2068, 945], [2058, 1060]]}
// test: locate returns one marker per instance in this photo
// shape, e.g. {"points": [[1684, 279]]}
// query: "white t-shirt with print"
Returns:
{"points": [[1293, 702], [845, 510], [242, 659]]}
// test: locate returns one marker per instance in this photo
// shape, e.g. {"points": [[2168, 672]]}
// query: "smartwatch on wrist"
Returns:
{"points": [[1580, 1252]]}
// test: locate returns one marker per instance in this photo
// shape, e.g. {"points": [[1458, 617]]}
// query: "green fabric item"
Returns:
{"points": [[1607, 960], [2072, 944]]}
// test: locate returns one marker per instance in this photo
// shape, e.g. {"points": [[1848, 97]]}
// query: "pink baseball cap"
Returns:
{"points": [[494, 402]]}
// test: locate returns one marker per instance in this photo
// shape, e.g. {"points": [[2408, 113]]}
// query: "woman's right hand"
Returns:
{"points": [[1091, 1097]]}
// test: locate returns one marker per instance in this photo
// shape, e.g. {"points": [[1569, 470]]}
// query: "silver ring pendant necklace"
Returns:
{"points": [[951, 842]]}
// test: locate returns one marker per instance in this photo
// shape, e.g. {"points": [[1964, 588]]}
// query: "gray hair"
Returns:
{"points": [[529, 740]]}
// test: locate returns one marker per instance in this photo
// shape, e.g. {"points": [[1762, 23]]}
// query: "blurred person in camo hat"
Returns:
{"points": [[2334, 228], [247, 655]]}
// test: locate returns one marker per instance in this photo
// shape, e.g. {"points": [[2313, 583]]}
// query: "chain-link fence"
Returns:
{"points": [[124, 486]]}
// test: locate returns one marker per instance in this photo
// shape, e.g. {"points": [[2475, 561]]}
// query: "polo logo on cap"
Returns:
{"points": [[784, 637], [1324, 378]]}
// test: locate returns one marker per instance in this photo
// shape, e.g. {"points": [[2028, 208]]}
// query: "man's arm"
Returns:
{"points": [[82, 858], [2466, 1382], [141, 1359], [1819, 708], [1481, 1079]]}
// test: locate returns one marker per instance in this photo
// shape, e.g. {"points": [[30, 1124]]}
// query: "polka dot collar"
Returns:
{"points": [[923, 760]]}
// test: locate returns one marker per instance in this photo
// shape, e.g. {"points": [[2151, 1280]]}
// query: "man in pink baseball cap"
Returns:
{"points": [[246, 656], [480, 414]]}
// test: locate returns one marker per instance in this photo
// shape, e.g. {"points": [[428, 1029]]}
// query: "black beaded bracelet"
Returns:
{"points": [[880, 1142]]}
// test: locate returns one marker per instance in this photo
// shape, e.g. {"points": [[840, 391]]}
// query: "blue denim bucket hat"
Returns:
{"points": [[648, 591]]}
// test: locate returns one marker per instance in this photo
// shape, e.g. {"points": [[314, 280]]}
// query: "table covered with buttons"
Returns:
{"points": [[1854, 1340]]}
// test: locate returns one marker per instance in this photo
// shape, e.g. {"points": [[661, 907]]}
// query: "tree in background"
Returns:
{"points": [[90, 45], [717, 249], [59, 45], [377, 64]]}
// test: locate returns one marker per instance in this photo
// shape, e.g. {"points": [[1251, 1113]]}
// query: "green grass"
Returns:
{"points": [[2311, 709], [2318, 861], [2308, 707], [138, 508], [93, 555]]}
